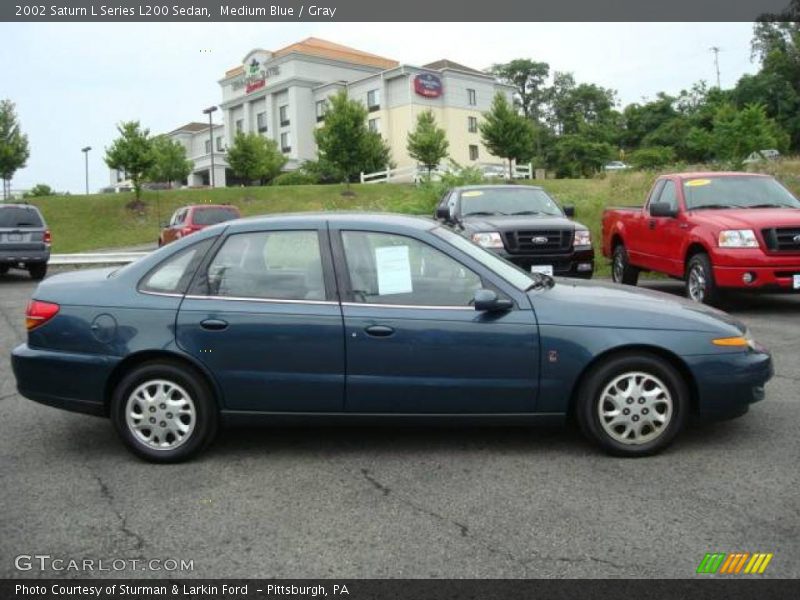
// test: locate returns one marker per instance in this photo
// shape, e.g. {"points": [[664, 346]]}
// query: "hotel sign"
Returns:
{"points": [[428, 85], [256, 72]]}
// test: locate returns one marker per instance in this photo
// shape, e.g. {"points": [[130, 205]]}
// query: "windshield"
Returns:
{"points": [[510, 200], [19, 216], [737, 192], [212, 216], [514, 275]]}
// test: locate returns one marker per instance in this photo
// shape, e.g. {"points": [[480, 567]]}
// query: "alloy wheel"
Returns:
{"points": [[635, 408], [160, 414]]}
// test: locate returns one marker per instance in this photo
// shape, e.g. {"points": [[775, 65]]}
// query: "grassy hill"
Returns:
{"points": [[82, 223]]}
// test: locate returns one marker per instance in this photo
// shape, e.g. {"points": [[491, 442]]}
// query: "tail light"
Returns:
{"points": [[38, 313], [47, 237], [190, 229]]}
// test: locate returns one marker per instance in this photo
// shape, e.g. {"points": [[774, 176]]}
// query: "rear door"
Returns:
{"points": [[263, 316], [21, 232]]}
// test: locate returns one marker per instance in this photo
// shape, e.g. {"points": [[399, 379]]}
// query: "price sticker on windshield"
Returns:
{"points": [[796, 281], [471, 194], [698, 182]]}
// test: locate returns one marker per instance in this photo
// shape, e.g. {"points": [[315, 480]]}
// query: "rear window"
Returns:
{"points": [[18, 216], [212, 216]]}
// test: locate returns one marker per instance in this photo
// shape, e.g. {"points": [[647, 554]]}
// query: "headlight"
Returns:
{"points": [[583, 237], [488, 239], [738, 238]]}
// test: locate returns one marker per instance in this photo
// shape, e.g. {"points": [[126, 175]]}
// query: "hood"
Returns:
{"points": [[747, 218], [597, 304], [519, 222]]}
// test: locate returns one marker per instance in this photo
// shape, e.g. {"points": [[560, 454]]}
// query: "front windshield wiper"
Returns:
{"points": [[528, 212], [704, 206], [542, 281], [483, 213], [771, 206]]}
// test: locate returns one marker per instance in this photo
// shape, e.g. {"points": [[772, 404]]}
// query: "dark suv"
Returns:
{"points": [[522, 224], [24, 239]]}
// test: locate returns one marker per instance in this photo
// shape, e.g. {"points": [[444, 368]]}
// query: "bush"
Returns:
{"points": [[295, 178], [652, 157]]}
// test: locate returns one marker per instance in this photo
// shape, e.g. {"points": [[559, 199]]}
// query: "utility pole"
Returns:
{"points": [[209, 111], [716, 50], [85, 151]]}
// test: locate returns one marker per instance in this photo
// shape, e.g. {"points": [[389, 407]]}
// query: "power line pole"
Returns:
{"points": [[716, 50]]}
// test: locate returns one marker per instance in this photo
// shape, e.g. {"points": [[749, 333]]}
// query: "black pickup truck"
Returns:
{"points": [[522, 224]]}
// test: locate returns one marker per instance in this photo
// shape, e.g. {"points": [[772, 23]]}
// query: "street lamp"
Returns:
{"points": [[86, 156], [209, 111]]}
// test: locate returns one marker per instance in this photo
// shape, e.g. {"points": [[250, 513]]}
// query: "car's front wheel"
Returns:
{"points": [[164, 412], [700, 284], [621, 270], [633, 404]]}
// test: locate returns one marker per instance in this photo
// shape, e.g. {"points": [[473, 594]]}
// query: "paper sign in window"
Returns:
{"points": [[394, 270]]}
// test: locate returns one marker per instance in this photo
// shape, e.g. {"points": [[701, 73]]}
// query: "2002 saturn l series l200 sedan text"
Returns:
{"points": [[372, 318]]}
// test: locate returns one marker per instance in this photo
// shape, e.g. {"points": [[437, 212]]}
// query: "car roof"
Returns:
{"points": [[335, 217], [464, 188], [196, 206], [713, 174], [18, 205]]}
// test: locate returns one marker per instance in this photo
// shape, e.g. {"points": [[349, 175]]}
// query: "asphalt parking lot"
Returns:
{"points": [[359, 502]]}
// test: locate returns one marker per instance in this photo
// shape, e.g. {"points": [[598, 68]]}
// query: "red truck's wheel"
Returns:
{"points": [[700, 284], [621, 270]]}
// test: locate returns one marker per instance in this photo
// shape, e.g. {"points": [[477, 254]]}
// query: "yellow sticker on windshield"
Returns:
{"points": [[697, 182], [471, 194]]}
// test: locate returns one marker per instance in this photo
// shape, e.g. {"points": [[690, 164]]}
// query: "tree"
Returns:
{"points": [[255, 158], [577, 156], [40, 190], [652, 157], [345, 144], [528, 77], [14, 149], [506, 133], [169, 161], [738, 133], [131, 152], [427, 144]]}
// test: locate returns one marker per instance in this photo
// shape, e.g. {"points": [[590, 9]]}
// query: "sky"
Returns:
{"points": [[73, 83]]}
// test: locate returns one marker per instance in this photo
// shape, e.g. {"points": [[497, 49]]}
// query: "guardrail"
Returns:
{"points": [[101, 258]]}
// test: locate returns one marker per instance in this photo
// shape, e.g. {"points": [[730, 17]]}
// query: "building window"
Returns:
{"points": [[208, 146], [284, 114], [472, 97], [261, 122], [322, 108], [374, 125], [219, 144], [373, 100], [473, 152], [472, 124], [286, 145], [239, 125]]}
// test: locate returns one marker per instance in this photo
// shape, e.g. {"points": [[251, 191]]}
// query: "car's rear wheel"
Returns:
{"points": [[700, 284], [633, 404], [621, 269], [37, 270], [3, 269], [164, 412]]}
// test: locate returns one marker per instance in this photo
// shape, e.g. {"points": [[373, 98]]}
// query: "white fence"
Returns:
{"points": [[414, 174], [103, 258]]}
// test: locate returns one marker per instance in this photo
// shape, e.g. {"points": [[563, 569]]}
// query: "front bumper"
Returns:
{"points": [[727, 384], [578, 263], [768, 271], [66, 380]]}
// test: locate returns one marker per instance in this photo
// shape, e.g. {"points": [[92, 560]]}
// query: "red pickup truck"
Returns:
{"points": [[713, 230]]}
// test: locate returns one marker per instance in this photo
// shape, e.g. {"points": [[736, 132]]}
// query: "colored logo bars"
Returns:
{"points": [[735, 563]]}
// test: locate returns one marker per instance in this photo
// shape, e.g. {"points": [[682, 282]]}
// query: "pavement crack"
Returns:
{"points": [[377, 484], [789, 377], [7, 396], [11, 324], [108, 495]]}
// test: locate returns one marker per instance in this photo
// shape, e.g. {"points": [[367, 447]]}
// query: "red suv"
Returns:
{"points": [[188, 219]]}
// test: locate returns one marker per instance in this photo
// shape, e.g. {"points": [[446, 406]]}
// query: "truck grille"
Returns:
{"points": [[782, 239], [538, 242]]}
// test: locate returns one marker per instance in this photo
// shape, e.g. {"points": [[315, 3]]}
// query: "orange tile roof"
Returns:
{"points": [[317, 47]]}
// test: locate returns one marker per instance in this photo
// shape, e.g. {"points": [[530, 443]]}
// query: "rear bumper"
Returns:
{"points": [[16, 257], [579, 263], [727, 385], [71, 381]]}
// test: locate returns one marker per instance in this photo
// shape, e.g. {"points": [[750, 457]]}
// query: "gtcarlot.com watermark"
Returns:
{"points": [[47, 562]]}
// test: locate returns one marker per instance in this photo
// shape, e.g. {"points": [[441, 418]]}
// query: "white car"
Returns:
{"points": [[616, 165], [494, 172]]}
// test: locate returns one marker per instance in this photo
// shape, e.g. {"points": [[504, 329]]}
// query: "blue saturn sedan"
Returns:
{"points": [[372, 318]]}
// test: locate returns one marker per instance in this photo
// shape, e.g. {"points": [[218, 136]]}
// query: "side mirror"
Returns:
{"points": [[569, 210], [662, 209], [164, 225], [443, 213], [487, 300]]}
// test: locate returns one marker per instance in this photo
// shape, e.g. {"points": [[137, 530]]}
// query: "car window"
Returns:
{"points": [[19, 216], [212, 216], [276, 265], [173, 275], [395, 269], [669, 195], [655, 191]]}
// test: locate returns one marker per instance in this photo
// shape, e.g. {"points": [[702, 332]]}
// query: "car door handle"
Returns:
{"points": [[214, 324], [379, 330]]}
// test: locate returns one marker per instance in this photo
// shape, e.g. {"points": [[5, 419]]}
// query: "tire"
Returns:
{"points": [[189, 394], [700, 284], [37, 270], [621, 269], [4, 269], [635, 433]]}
